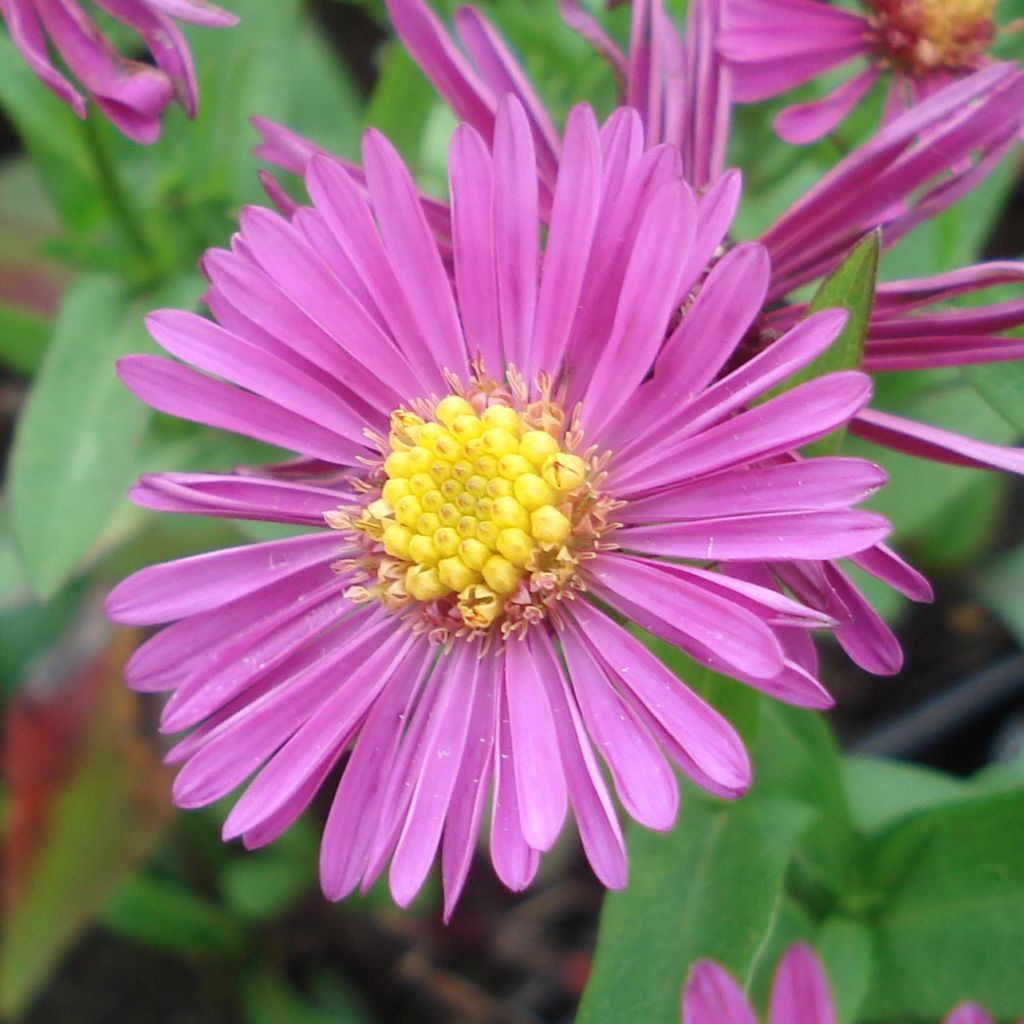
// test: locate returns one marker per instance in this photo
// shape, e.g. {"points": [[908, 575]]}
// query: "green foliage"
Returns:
{"points": [[711, 888]]}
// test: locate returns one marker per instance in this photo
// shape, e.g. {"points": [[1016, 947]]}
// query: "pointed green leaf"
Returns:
{"points": [[710, 888]]}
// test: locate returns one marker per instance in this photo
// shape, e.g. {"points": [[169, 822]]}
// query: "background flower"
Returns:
{"points": [[132, 94]]}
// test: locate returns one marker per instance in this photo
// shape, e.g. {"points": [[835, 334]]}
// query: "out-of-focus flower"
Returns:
{"points": [[800, 995], [508, 448], [131, 94], [921, 45]]}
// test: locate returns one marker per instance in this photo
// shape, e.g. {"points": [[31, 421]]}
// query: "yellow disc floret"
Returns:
{"points": [[475, 502]]}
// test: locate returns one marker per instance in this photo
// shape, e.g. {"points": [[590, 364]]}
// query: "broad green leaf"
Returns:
{"points": [[845, 948], [711, 888], [1002, 386], [87, 803], [796, 757], [882, 791], [951, 926], [77, 441], [167, 916]]}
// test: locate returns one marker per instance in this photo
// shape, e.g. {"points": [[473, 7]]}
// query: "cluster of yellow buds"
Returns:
{"points": [[472, 503]]}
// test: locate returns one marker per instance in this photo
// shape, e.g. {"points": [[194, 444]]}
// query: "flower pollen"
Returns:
{"points": [[479, 513], [929, 35]]}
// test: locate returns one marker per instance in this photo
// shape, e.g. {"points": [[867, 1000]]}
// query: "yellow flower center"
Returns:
{"points": [[928, 35], [483, 512]]}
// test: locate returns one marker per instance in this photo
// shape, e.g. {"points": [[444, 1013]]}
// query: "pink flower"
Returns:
{"points": [[505, 449], [775, 45], [131, 94], [800, 995]]}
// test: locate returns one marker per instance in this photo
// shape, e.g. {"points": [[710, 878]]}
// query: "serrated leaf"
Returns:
{"points": [[76, 445], [711, 888]]}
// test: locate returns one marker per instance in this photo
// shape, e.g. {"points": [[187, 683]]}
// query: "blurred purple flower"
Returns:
{"points": [[800, 995], [133, 95], [507, 448], [775, 45]]}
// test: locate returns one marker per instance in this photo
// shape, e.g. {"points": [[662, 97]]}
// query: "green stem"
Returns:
{"points": [[117, 198]]}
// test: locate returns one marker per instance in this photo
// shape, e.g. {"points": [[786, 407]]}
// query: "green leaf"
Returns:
{"points": [[882, 791], [1002, 386], [851, 286], [952, 926], [711, 888], [77, 441], [168, 916], [846, 950], [23, 338]]}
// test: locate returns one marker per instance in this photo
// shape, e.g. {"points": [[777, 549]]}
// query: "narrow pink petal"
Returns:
{"points": [[724, 309], [440, 60], [514, 861], [573, 220], [413, 251], [705, 98], [188, 586], [716, 209], [471, 185], [503, 73], [596, 818], [803, 485], [576, 17], [444, 747], [275, 825], [353, 818], [179, 391], [645, 783], [810, 121], [710, 996], [323, 737], [196, 12], [776, 535], [515, 225], [714, 754], [26, 34], [645, 304], [788, 421], [210, 348], [940, 287], [540, 782], [236, 497], [711, 619], [883, 563], [800, 992], [927, 442], [462, 827], [937, 350]]}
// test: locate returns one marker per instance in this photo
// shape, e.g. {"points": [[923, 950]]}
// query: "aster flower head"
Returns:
{"points": [[800, 995], [505, 450], [132, 94], [918, 45]]}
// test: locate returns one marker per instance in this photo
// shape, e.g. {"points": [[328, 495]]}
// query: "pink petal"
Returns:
{"points": [[710, 996], [800, 992]]}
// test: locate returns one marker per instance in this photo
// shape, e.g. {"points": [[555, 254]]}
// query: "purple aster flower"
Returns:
{"points": [[505, 450], [800, 995], [131, 94], [920, 45]]}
